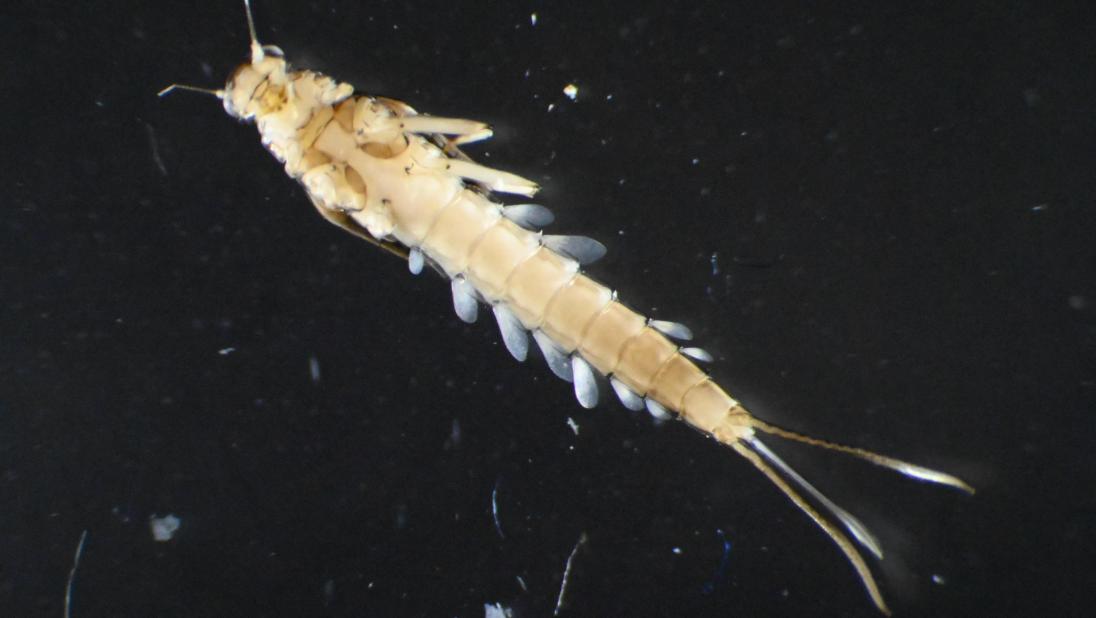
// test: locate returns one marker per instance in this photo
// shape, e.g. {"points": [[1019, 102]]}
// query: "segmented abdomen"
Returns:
{"points": [[546, 292]]}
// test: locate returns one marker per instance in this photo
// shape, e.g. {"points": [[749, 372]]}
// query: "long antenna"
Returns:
{"points": [[257, 53], [220, 94]]}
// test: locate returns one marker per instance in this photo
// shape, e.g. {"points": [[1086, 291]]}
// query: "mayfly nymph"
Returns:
{"points": [[385, 173]]}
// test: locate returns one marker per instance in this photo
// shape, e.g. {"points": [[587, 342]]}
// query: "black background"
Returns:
{"points": [[879, 219]]}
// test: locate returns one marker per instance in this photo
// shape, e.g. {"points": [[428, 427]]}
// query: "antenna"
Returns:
{"points": [[257, 53], [220, 94]]}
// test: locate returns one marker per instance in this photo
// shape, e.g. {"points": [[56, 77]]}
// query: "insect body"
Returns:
{"points": [[385, 173]]}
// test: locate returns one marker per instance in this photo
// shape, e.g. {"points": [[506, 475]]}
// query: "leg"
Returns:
{"points": [[344, 221], [465, 131], [493, 179]]}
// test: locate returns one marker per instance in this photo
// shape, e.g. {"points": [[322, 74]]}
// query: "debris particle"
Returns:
{"points": [[328, 592], [551, 106], [314, 369], [495, 508], [163, 528], [721, 570], [939, 579], [715, 263], [455, 436], [72, 572], [498, 610], [572, 424], [571, 91], [155, 147], [676, 551], [533, 19], [226, 351], [521, 582], [1039, 207], [567, 575]]}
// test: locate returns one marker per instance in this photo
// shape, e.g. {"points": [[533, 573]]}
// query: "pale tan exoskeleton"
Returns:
{"points": [[383, 172]]}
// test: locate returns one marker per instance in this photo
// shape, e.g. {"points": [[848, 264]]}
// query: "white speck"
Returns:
{"points": [[72, 572], [572, 424], [608, 97], [455, 436], [533, 19], [226, 351], [521, 582], [571, 91], [314, 369], [121, 515], [495, 510], [676, 551], [1078, 302], [551, 106], [498, 610], [567, 575], [163, 528], [939, 580], [1039, 207], [696, 161]]}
